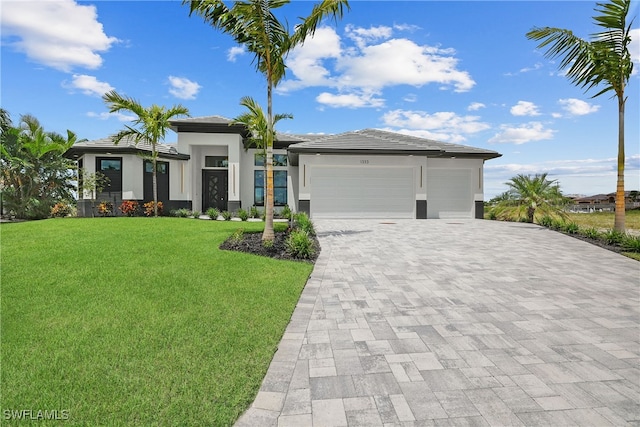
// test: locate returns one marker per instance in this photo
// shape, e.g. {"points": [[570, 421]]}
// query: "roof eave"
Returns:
{"points": [[76, 152]]}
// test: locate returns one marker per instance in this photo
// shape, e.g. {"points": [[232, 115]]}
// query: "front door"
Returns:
{"points": [[214, 189]]}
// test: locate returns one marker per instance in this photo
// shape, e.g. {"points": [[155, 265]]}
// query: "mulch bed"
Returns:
{"points": [[252, 243]]}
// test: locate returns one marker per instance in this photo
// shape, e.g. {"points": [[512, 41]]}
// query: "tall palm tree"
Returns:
{"points": [[150, 126], [604, 60], [528, 194], [253, 24], [257, 124]]}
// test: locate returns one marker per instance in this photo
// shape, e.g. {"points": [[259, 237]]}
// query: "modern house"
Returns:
{"points": [[360, 174]]}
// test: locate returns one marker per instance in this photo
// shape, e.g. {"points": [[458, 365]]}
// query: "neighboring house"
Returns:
{"points": [[360, 174], [605, 202]]}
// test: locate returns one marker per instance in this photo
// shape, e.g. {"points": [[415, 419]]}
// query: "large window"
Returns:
{"points": [[278, 159], [279, 188]]}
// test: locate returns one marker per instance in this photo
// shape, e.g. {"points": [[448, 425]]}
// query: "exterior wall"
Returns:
{"points": [[200, 145], [133, 181]]}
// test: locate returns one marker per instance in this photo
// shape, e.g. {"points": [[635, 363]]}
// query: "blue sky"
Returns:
{"points": [[453, 71]]}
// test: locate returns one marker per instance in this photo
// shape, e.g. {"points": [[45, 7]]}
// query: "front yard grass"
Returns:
{"points": [[138, 321], [604, 220]]}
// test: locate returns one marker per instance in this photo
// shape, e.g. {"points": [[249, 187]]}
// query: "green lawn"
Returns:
{"points": [[138, 321], [604, 220]]}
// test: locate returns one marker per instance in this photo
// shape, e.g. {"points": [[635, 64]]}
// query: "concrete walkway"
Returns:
{"points": [[457, 323]]}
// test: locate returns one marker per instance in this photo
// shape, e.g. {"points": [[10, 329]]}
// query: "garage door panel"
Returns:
{"points": [[449, 193], [362, 192]]}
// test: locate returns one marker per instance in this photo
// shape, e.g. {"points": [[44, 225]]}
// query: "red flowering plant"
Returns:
{"points": [[148, 208], [129, 207]]}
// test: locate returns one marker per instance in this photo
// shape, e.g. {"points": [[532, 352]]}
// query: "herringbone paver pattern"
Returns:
{"points": [[457, 323]]}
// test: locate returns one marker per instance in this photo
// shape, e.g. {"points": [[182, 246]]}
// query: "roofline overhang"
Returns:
{"points": [[294, 152], [76, 152], [194, 127]]}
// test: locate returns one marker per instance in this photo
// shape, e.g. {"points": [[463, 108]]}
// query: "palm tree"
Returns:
{"points": [[150, 127], [604, 60], [527, 195], [253, 24], [257, 124]]}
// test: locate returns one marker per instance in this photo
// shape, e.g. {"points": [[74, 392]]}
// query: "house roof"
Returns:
{"points": [[374, 141], [208, 124], [106, 145]]}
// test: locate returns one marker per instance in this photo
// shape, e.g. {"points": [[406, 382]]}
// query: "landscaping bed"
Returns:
{"points": [[252, 243]]}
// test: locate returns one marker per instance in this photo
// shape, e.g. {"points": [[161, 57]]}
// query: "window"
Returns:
{"points": [[161, 167], [110, 164], [279, 188], [216, 162], [278, 159]]}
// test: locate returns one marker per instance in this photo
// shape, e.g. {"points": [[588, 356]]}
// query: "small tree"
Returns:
{"points": [[92, 184], [150, 127], [34, 174], [529, 195]]}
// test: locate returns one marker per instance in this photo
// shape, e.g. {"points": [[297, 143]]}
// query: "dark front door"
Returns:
{"points": [[214, 189], [162, 177]]}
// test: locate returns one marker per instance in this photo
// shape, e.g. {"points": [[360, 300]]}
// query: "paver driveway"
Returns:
{"points": [[444, 322]]}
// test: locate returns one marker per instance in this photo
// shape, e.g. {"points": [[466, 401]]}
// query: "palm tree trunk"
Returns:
{"points": [[155, 186], [530, 214], [268, 233], [620, 199]]}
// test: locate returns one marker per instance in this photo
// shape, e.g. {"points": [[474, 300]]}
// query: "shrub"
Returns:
{"points": [[242, 214], [613, 237], [286, 212], [196, 214], [213, 213], [238, 235], [180, 213], [591, 233], [631, 243], [105, 208], [300, 245], [303, 223], [492, 214], [129, 207], [149, 210], [267, 244], [254, 212], [546, 221], [61, 210], [557, 224], [571, 228], [226, 215]]}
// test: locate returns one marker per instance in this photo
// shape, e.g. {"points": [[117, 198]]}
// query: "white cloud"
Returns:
{"points": [[475, 106], [89, 85], [525, 108], [528, 132], [234, 52], [60, 34], [410, 97], [442, 126], [350, 100], [372, 64], [536, 66], [634, 48], [183, 88], [363, 36], [577, 107], [106, 116]]}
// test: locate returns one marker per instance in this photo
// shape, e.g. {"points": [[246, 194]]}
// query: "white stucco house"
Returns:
{"points": [[360, 174]]}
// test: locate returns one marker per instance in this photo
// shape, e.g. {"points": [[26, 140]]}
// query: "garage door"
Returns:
{"points": [[449, 193], [362, 192]]}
